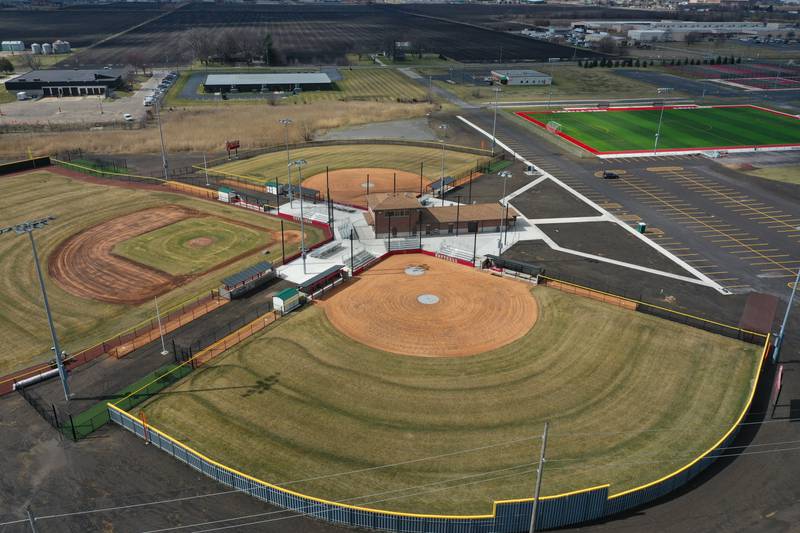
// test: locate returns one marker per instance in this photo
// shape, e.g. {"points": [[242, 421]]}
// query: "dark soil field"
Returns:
{"points": [[313, 34], [80, 25]]}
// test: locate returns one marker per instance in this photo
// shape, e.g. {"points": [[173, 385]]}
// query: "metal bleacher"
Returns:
{"points": [[359, 259]]}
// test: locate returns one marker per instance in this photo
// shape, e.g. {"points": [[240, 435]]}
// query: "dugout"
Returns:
{"points": [[320, 281], [297, 190], [286, 301], [516, 268], [247, 280]]}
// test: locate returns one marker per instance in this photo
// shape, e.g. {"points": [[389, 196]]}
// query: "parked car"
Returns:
{"points": [[608, 175], [128, 117]]}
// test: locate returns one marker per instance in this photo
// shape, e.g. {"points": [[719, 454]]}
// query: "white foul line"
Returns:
{"points": [[700, 278]]}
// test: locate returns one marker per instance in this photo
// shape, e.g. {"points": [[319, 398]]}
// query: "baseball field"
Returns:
{"points": [[353, 162], [634, 129], [308, 407], [109, 252]]}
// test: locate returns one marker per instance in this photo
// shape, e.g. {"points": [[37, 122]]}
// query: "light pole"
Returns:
{"points": [[661, 90], [779, 342], [205, 167], [299, 164], [100, 102], [286, 123], [164, 164], [28, 227], [160, 329], [443, 127], [505, 174], [494, 122]]}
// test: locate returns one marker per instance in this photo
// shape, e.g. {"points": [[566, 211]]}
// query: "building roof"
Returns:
{"points": [[70, 75], [267, 79], [285, 294], [521, 73], [248, 273], [381, 201], [322, 276], [471, 212]]}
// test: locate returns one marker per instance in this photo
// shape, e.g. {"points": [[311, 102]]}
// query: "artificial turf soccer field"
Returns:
{"points": [[681, 129], [79, 207], [303, 406]]}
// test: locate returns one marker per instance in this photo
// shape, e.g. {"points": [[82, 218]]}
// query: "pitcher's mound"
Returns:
{"points": [[349, 186], [449, 311]]}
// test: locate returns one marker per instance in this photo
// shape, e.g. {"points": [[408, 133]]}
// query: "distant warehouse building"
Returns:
{"points": [[288, 82], [66, 82], [12, 46], [521, 77]]}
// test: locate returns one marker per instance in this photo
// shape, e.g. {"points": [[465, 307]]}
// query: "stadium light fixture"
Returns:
{"points": [[442, 127], [164, 164], [299, 164], [29, 227], [286, 122], [779, 341], [496, 90], [661, 90], [505, 174]]}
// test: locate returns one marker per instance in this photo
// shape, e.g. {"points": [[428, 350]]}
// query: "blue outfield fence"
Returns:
{"points": [[508, 516]]}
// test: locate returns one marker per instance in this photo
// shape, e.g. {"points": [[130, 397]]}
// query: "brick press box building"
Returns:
{"points": [[403, 215], [67, 82]]}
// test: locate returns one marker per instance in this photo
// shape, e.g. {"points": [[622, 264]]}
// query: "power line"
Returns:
{"points": [[411, 461]]}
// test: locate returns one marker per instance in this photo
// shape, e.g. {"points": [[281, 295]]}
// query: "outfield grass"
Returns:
{"points": [[302, 402], [77, 206], [175, 248], [680, 128], [272, 166]]}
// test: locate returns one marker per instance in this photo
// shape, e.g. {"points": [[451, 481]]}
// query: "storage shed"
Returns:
{"points": [[286, 300]]}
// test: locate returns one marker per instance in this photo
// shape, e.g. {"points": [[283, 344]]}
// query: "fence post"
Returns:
{"points": [[55, 415], [72, 425]]}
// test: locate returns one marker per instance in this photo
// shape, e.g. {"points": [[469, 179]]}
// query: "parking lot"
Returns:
{"points": [[86, 110], [742, 232]]}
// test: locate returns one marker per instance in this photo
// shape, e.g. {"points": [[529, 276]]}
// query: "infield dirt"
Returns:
{"points": [[351, 185], [472, 313]]}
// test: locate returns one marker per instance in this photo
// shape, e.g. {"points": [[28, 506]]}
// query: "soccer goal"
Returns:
{"points": [[553, 126]]}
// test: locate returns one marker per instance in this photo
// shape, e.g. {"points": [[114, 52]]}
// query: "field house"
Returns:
{"points": [[632, 131]]}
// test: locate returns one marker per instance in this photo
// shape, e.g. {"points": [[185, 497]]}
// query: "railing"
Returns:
{"points": [[507, 516]]}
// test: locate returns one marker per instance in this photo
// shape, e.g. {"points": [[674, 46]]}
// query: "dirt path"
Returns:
{"points": [[349, 186], [84, 265], [467, 313]]}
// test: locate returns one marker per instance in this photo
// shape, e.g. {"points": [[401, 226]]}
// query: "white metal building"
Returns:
{"points": [[521, 77], [12, 46]]}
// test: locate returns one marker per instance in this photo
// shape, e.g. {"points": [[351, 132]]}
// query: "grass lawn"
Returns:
{"points": [[786, 174], [77, 205], [372, 84], [681, 128], [192, 245], [5, 96], [568, 82], [301, 403], [272, 166]]}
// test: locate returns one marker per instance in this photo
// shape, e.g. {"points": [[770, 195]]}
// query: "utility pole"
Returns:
{"points": [[160, 329], [299, 164], [443, 127], [661, 90], [286, 122], [539, 472], [205, 167], [164, 164], [779, 342], [28, 227], [494, 122], [31, 519]]}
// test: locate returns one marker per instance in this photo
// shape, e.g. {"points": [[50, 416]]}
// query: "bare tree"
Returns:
{"points": [[200, 43], [137, 60], [227, 46], [251, 44], [607, 45], [32, 61], [693, 37]]}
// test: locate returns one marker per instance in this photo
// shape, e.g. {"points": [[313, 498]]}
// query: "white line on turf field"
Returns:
{"points": [[700, 278]]}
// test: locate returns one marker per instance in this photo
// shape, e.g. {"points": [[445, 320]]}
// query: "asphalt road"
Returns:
{"points": [[739, 230]]}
